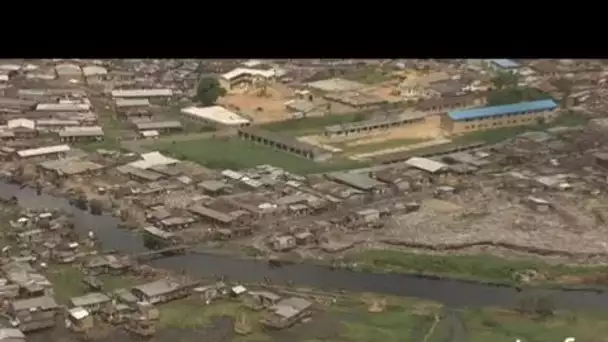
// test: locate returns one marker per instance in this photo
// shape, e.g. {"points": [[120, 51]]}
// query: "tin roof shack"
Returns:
{"points": [[286, 313], [337, 193], [15, 105], [358, 181], [79, 320], [11, 335], [31, 283], [213, 216], [176, 222], [140, 175], [70, 167], [107, 264], [92, 302], [258, 300], [159, 126], [538, 204], [215, 187], [161, 291], [73, 134], [34, 313]]}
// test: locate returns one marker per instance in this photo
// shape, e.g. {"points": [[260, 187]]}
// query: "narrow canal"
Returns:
{"points": [[453, 293]]}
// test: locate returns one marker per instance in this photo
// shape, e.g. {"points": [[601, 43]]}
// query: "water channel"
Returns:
{"points": [[453, 293]]}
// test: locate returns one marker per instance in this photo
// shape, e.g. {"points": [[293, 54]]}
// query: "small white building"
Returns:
{"points": [[21, 122], [216, 116]]}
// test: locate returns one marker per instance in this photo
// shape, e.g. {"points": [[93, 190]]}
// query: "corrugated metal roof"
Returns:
{"points": [[502, 110], [505, 63]]}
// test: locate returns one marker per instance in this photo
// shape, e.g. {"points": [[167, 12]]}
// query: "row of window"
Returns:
{"points": [[506, 115], [497, 124]]}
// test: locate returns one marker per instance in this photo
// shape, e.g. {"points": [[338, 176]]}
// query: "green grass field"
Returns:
{"points": [[507, 326], [474, 267], [233, 153]]}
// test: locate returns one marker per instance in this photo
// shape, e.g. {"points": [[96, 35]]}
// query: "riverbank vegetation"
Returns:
{"points": [[484, 268]]}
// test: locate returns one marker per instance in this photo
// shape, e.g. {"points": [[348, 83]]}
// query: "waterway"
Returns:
{"points": [[453, 293]]}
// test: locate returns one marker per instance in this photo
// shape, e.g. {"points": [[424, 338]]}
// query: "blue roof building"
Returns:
{"points": [[505, 63], [515, 108]]}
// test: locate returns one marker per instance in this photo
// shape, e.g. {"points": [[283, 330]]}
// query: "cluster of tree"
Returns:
{"points": [[507, 90], [209, 90], [150, 242]]}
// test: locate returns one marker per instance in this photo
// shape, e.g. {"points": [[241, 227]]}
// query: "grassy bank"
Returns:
{"points": [[232, 153], [507, 326], [378, 146], [485, 268]]}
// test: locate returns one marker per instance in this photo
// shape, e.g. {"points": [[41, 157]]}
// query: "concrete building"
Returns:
{"points": [[284, 143], [91, 133], [217, 116], [517, 114], [374, 125], [245, 77]]}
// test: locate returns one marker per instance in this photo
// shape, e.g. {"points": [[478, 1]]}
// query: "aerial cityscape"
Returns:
{"points": [[304, 200]]}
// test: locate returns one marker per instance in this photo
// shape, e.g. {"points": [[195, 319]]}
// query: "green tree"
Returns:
{"points": [[540, 305], [209, 91], [505, 79]]}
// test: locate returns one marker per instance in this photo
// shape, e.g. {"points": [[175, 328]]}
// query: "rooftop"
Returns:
{"points": [[216, 114], [154, 125], [90, 131], [142, 93], [43, 150], [335, 84], [248, 71], [485, 112], [123, 103], [505, 63], [151, 159]]}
